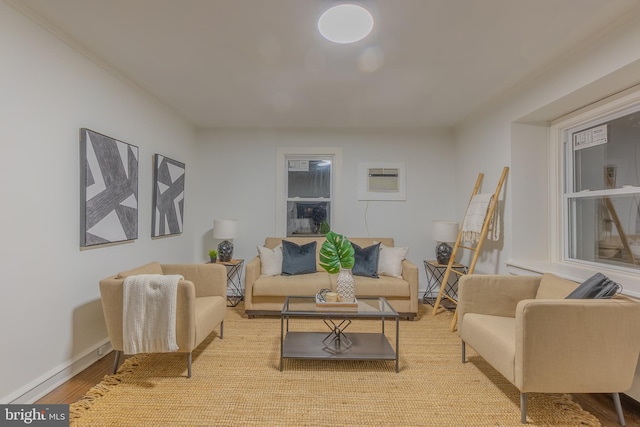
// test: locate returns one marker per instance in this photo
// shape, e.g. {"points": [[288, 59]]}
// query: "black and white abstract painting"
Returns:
{"points": [[168, 196], [108, 190]]}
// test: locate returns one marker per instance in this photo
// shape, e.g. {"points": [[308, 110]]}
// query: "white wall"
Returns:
{"points": [[238, 179], [50, 313]]}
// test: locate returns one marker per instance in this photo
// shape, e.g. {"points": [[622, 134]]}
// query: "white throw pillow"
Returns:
{"points": [[390, 260], [270, 260]]}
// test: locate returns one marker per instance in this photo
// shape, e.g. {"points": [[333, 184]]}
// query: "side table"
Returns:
{"points": [[234, 281], [435, 273]]}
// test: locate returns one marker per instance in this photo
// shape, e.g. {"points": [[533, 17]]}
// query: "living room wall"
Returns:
{"points": [[238, 177], [50, 313]]}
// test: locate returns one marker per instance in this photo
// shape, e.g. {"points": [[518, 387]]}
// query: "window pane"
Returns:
{"points": [[605, 229], [309, 178], [306, 217], [606, 156]]}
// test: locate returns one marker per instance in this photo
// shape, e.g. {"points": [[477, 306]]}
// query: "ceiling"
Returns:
{"points": [[262, 63]]}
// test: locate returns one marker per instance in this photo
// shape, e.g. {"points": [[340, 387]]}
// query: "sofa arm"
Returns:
{"points": [[577, 346], [208, 279], [251, 274], [410, 274], [496, 295]]}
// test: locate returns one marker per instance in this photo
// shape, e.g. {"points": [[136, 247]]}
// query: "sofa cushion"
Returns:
{"points": [[151, 268], [298, 259], [366, 260], [554, 287], [390, 261], [494, 338], [270, 260], [306, 284], [383, 286]]}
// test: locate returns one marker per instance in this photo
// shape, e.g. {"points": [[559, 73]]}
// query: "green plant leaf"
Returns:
{"points": [[336, 252]]}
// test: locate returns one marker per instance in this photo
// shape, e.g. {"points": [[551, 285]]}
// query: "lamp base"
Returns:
{"points": [[225, 251], [443, 253]]}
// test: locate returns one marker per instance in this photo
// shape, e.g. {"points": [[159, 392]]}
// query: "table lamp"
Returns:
{"points": [[444, 232], [225, 230]]}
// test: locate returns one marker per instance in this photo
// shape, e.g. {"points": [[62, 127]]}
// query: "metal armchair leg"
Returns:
{"points": [[464, 352], [115, 362], [618, 405], [189, 365], [523, 408], [222, 330]]}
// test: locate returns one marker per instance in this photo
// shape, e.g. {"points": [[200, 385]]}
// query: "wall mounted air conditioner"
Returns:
{"points": [[381, 181]]}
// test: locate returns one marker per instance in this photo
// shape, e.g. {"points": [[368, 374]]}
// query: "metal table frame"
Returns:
{"points": [[336, 344], [234, 281], [435, 273]]}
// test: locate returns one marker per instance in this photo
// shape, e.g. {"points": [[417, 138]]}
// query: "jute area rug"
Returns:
{"points": [[237, 382]]}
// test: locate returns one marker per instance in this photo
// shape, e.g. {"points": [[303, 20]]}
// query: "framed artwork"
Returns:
{"points": [[108, 190], [168, 196]]}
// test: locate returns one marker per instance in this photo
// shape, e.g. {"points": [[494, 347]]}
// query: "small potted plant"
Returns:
{"points": [[337, 256], [213, 255]]}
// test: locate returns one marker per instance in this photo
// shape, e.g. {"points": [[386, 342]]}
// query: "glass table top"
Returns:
{"points": [[365, 307]]}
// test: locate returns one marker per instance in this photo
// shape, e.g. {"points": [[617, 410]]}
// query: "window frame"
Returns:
{"points": [[284, 154], [562, 174]]}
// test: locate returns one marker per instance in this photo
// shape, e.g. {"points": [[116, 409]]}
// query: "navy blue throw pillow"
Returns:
{"points": [[366, 260], [298, 259]]}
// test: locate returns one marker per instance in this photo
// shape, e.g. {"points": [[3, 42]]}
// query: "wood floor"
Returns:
{"points": [[600, 405]]}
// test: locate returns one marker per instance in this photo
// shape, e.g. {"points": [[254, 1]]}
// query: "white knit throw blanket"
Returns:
{"points": [[474, 219], [149, 313]]}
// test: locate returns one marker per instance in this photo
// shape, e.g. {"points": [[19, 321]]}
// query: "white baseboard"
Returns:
{"points": [[58, 375]]}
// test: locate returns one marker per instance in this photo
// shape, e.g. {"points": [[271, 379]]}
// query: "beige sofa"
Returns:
{"points": [[200, 307], [265, 295], [543, 343]]}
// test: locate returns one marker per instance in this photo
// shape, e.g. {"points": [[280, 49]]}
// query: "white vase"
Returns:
{"points": [[346, 286]]}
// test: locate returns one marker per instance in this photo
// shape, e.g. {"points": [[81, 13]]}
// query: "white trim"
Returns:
{"points": [[55, 377], [281, 183]]}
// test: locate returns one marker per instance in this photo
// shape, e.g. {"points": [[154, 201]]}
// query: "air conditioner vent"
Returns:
{"points": [[382, 180]]}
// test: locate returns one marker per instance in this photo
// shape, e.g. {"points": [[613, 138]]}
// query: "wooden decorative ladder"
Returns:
{"points": [[476, 250]]}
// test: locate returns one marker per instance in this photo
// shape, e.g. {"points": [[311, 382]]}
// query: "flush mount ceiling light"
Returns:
{"points": [[345, 23]]}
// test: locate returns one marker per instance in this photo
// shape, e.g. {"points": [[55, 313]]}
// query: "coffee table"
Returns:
{"points": [[336, 342]]}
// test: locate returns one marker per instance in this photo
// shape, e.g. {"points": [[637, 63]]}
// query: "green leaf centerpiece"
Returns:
{"points": [[336, 253]]}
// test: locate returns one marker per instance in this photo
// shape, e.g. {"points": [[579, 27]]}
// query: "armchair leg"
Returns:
{"points": [[464, 352], [618, 405], [523, 408], [222, 330], [189, 365], [115, 362]]}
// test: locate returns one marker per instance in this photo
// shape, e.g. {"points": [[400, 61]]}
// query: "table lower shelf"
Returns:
{"points": [[364, 346]]}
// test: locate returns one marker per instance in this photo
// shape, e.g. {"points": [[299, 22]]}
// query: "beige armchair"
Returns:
{"points": [[201, 304], [543, 343]]}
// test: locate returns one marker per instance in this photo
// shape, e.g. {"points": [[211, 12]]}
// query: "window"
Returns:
{"points": [[308, 194], [306, 189], [602, 189]]}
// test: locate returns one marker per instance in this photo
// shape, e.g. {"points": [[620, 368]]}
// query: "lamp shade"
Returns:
{"points": [[224, 229], [444, 231]]}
